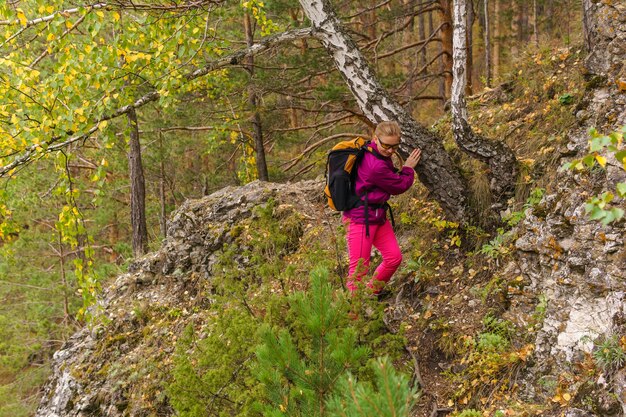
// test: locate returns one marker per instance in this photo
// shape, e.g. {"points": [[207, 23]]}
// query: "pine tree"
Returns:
{"points": [[312, 362], [390, 396], [300, 368]]}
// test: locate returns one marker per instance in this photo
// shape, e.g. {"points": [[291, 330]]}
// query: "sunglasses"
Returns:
{"points": [[388, 146]]}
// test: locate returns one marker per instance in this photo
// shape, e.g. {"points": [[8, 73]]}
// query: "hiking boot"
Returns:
{"points": [[383, 294]]}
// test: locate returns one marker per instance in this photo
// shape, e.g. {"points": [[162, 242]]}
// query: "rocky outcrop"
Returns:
{"points": [[577, 264], [118, 366]]}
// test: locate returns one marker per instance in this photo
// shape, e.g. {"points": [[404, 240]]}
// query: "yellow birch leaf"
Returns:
{"points": [[116, 16], [49, 9], [68, 24], [100, 13], [567, 396], [601, 160], [50, 37]]}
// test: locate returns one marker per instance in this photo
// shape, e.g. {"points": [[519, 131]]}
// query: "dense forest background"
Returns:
{"points": [[88, 183]]}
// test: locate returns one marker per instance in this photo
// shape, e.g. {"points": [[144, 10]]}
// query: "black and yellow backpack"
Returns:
{"points": [[341, 168]]}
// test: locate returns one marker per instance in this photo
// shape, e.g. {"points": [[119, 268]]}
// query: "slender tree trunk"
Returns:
{"points": [[436, 170], [497, 41], [535, 25], [586, 25], [499, 157], [470, 48], [549, 14], [253, 100], [523, 21], [487, 44], [446, 43], [442, 79], [137, 188], [567, 18], [114, 236], [66, 303], [422, 37], [514, 40], [411, 65], [162, 211]]}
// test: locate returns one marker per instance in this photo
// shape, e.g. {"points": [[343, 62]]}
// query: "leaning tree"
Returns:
{"points": [[166, 59]]}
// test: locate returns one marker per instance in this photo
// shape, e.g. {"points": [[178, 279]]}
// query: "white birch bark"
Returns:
{"points": [[500, 158], [436, 170]]}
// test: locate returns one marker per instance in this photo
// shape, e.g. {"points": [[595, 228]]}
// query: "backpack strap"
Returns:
{"points": [[367, 217]]}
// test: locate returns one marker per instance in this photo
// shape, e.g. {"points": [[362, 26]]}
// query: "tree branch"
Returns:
{"points": [[48, 18], [30, 152]]}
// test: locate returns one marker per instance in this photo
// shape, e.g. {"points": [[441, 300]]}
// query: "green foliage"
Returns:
{"points": [[540, 313], [300, 369], [211, 376], [600, 207], [450, 228], [490, 360], [566, 99], [499, 246], [610, 353], [420, 267], [72, 230], [388, 396], [512, 219]]}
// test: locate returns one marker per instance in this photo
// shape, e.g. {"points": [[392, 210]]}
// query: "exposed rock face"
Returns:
{"points": [[109, 369], [578, 264], [606, 38]]}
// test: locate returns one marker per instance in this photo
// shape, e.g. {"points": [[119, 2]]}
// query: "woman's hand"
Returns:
{"points": [[413, 158]]}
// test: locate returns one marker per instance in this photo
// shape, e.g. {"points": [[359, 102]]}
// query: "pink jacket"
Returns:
{"points": [[381, 180]]}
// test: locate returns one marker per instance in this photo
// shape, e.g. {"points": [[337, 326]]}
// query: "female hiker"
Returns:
{"points": [[367, 225]]}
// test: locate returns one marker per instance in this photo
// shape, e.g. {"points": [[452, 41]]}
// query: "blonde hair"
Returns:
{"points": [[387, 129]]}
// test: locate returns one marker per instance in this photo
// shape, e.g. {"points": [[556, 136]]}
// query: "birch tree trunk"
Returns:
{"points": [[435, 170], [137, 188], [499, 157], [469, 68]]}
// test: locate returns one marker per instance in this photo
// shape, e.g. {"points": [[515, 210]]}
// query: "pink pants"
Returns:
{"points": [[360, 248]]}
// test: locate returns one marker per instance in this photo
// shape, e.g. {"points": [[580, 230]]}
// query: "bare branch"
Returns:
{"points": [[255, 49], [324, 123], [316, 145], [48, 18], [114, 5]]}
